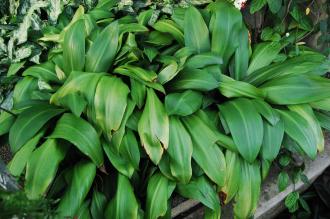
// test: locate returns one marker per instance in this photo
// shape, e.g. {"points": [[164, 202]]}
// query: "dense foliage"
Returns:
{"points": [[129, 110]]}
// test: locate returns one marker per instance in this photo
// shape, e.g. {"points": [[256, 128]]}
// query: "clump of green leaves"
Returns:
{"points": [[141, 110]]}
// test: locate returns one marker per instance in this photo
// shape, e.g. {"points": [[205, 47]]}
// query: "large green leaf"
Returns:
{"points": [[137, 72], [301, 131], [272, 140], [196, 33], [233, 164], [225, 25], [232, 88], [24, 89], [75, 102], [125, 159], [159, 191], [205, 152], [296, 89], [309, 63], [103, 50], [81, 82], [110, 102], [143, 76], [307, 112], [242, 54], [248, 193], [263, 54], [202, 60], [266, 111], [153, 127], [29, 122], [124, 205], [184, 103], [180, 151], [42, 166], [18, 162], [195, 79], [245, 125], [74, 47], [83, 175], [44, 71], [81, 134], [202, 190], [168, 26]]}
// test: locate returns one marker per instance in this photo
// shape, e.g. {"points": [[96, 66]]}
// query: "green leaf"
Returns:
{"points": [[74, 47], [291, 201], [159, 191], [153, 127], [29, 122], [307, 113], [6, 121], [98, 204], [196, 33], [203, 59], [232, 88], [125, 159], [282, 181], [23, 90], [296, 89], [159, 38], [138, 92], [18, 162], [263, 54], [82, 82], [248, 193], [45, 71], [299, 129], [225, 25], [14, 68], [245, 125], [303, 64], [83, 174], [75, 102], [119, 134], [184, 103], [242, 55], [110, 102], [200, 189], [81, 134], [195, 79], [138, 72], [205, 152], [180, 151], [42, 166], [168, 26], [272, 140], [168, 73], [324, 120], [131, 28], [233, 164], [265, 167], [102, 52], [266, 111], [83, 211], [274, 5], [256, 5], [124, 205]]}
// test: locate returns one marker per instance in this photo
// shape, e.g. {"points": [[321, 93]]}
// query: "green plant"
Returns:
{"points": [[125, 113]]}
